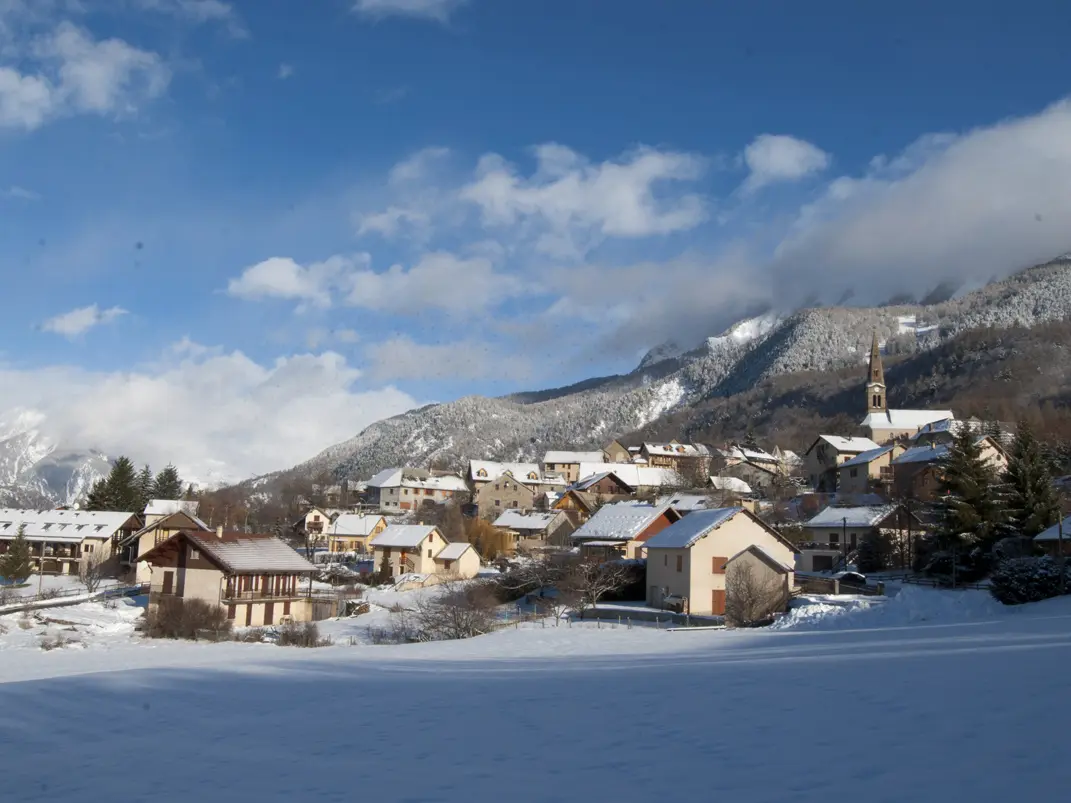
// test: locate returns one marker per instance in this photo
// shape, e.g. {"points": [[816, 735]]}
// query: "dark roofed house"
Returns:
{"points": [[255, 577]]}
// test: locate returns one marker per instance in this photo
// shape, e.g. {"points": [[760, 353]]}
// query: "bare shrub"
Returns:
{"points": [[173, 617], [8, 597], [460, 611], [301, 634], [50, 593], [93, 569], [750, 598], [49, 643], [590, 579], [251, 635]]}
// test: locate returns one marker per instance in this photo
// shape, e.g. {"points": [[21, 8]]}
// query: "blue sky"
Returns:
{"points": [[355, 206]]}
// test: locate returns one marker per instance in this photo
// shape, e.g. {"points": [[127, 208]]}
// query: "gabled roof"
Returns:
{"points": [[453, 551], [165, 507], [387, 478], [447, 482], [574, 457], [867, 516], [621, 521], [765, 557], [62, 526], [685, 502], [864, 458], [587, 501], [734, 484], [694, 526], [354, 524], [516, 520], [675, 449], [1053, 533], [487, 470], [633, 475], [179, 520], [922, 454], [842, 444], [905, 419], [403, 535], [239, 553]]}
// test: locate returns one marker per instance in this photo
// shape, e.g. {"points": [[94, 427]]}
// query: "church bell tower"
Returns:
{"points": [[875, 384]]}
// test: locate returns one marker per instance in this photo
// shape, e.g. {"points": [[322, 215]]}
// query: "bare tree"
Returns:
{"points": [[590, 579], [93, 568], [459, 611], [751, 598]]}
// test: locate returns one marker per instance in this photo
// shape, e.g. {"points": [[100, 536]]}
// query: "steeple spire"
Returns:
{"points": [[875, 385]]}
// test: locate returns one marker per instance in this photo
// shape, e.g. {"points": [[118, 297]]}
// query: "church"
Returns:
{"points": [[887, 425]]}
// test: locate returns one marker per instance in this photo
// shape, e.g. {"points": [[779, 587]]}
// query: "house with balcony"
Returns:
{"points": [[408, 549], [135, 544], [59, 539], [535, 530], [917, 471], [868, 471], [687, 459], [622, 529], [836, 532], [567, 464], [822, 461], [257, 578], [352, 532]]}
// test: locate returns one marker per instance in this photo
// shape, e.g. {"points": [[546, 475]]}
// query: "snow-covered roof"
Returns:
{"points": [[868, 516], [634, 476], [165, 507], [61, 526], [387, 478], [691, 528], [1053, 533], [923, 454], [573, 457], [243, 553], [751, 455], [349, 524], [764, 555], [448, 482], [905, 419], [863, 458], [621, 521], [733, 484], [487, 470], [674, 449], [453, 551], [408, 535], [516, 520], [842, 444], [687, 502], [945, 425]]}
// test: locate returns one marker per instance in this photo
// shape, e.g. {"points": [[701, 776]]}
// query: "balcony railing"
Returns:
{"points": [[264, 596]]}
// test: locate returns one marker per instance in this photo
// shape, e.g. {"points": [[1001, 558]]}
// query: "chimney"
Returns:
{"points": [[219, 532]]}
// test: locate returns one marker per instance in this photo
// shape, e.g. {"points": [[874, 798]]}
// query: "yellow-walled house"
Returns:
{"points": [[408, 549], [688, 560], [60, 539], [257, 578], [353, 532], [133, 546], [868, 470], [458, 560]]}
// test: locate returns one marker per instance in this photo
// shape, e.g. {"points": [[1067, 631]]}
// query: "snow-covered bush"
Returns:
{"points": [[1020, 580], [194, 619]]}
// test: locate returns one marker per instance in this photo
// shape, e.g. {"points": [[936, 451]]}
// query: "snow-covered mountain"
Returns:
{"points": [[36, 471], [670, 380]]}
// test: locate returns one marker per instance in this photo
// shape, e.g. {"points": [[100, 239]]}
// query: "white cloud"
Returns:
{"points": [[20, 193], [439, 280], [436, 10], [78, 74], [199, 12], [391, 221], [402, 358], [283, 278], [573, 204], [79, 321], [417, 166], [215, 414], [773, 158], [285, 71]]}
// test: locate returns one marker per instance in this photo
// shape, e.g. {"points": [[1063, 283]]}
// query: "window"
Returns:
{"points": [[834, 538], [194, 554], [680, 563], [719, 565], [498, 503], [854, 472], [230, 612], [406, 492], [429, 553], [87, 548], [665, 560]]}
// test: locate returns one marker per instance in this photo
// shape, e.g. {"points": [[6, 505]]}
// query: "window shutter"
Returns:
{"points": [[719, 565]]}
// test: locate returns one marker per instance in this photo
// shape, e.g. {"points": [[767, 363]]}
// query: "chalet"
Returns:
{"points": [[916, 473], [567, 464], [255, 577], [688, 562], [755, 475], [623, 528], [578, 504], [684, 458], [731, 486], [60, 539], [606, 486], [408, 549], [402, 489], [458, 560], [886, 424], [824, 457], [868, 470], [616, 453], [136, 544], [639, 478], [535, 531], [836, 532], [352, 532]]}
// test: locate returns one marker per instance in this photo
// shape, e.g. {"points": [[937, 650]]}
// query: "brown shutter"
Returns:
{"points": [[719, 565]]}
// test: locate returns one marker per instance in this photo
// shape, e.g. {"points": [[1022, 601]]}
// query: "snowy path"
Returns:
{"points": [[970, 710]]}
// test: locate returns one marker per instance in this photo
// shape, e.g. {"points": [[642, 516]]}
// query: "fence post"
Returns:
{"points": [[619, 620], [629, 621]]}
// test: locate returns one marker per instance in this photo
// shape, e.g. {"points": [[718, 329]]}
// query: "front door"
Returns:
{"points": [[717, 603], [248, 615], [169, 582], [269, 613]]}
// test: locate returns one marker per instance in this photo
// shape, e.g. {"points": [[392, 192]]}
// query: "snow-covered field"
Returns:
{"points": [[929, 696]]}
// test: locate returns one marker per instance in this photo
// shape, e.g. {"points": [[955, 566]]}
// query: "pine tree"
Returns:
{"points": [[15, 564], [99, 497], [145, 488], [968, 511], [168, 484], [123, 485], [1027, 491], [750, 442]]}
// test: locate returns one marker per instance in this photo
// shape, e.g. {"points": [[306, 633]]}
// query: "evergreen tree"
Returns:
{"points": [[119, 491], [1027, 492], [168, 484], [968, 511], [992, 428], [15, 564], [145, 488], [99, 497], [750, 442]]}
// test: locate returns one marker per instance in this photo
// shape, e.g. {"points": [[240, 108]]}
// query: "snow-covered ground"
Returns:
{"points": [[928, 696], [53, 582]]}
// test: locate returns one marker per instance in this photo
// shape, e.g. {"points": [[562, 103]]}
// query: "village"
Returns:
{"points": [[691, 533]]}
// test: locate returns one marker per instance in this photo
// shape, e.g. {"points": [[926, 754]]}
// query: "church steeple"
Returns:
{"points": [[875, 384]]}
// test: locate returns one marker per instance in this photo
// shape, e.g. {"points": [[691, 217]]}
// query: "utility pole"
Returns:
{"points": [[844, 540], [1061, 559]]}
